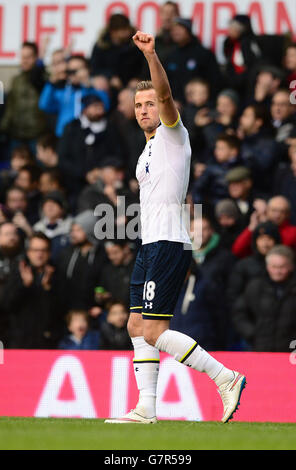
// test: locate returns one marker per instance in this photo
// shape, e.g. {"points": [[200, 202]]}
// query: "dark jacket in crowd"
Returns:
{"points": [[193, 315], [114, 338], [264, 315], [244, 271], [124, 60], [259, 152], [228, 235], [33, 313], [116, 280], [202, 138], [93, 194], [7, 264], [214, 270], [187, 62], [284, 185], [248, 46], [211, 186], [76, 272], [164, 44], [80, 150], [23, 120]]}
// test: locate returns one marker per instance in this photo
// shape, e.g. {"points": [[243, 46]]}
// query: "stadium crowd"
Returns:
{"points": [[70, 141]]}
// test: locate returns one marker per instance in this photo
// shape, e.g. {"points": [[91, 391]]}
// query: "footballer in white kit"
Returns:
{"points": [[164, 258]]}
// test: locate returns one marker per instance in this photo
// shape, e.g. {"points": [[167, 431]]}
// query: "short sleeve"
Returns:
{"points": [[175, 133]]}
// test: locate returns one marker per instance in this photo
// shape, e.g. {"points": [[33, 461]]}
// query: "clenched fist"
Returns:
{"points": [[145, 42]]}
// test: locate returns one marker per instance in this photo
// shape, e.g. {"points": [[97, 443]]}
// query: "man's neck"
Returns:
{"points": [[148, 135]]}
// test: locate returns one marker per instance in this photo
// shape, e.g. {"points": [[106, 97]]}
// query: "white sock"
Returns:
{"points": [[146, 368], [185, 350]]}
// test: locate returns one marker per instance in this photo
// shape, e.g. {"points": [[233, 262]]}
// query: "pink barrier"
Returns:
{"points": [[101, 384]]}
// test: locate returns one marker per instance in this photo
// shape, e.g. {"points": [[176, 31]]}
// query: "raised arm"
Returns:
{"points": [[167, 109]]}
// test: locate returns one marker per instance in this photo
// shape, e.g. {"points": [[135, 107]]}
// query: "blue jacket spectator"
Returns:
{"points": [[90, 341], [80, 337], [65, 99]]}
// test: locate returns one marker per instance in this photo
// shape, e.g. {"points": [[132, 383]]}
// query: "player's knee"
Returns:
{"points": [[150, 337], [134, 326], [153, 329]]}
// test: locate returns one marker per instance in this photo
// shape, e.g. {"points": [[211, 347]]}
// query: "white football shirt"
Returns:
{"points": [[163, 171]]}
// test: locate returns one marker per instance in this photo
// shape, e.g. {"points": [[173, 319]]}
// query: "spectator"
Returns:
{"points": [[30, 299], [51, 180], [47, 151], [22, 120], [79, 263], [228, 103], [10, 252], [264, 238], [190, 59], [230, 222], [259, 152], [267, 83], [20, 156], [211, 186], [115, 276], [164, 43], [132, 137], [197, 95], [114, 54], [240, 189], [241, 51], [113, 331], [65, 101], [16, 210], [285, 182], [28, 180], [211, 266], [277, 211], [207, 124], [106, 190], [15, 201], [290, 64], [194, 312], [80, 337], [265, 314], [54, 222], [85, 144], [210, 123], [58, 65], [283, 115]]}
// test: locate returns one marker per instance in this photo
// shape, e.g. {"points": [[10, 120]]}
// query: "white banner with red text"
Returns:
{"points": [[80, 22]]}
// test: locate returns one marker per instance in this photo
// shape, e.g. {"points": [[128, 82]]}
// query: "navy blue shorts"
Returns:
{"points": [[159, 273]]}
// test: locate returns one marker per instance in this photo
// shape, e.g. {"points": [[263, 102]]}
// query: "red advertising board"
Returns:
{"points": [[99, 384]]}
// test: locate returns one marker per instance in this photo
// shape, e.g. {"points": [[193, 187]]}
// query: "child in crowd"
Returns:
{"points": [[80, 337], [20, 157], [47, 154], [113, 330]]}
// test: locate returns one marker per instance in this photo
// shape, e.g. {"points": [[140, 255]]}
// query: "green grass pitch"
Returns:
{"points": [[93, 434]]}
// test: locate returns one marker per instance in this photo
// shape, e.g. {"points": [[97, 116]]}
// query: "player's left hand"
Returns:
{"points": [[145, 42]]}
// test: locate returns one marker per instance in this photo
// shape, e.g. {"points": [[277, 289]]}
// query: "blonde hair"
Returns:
{"points": [[282, 250], [144, 85]]}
